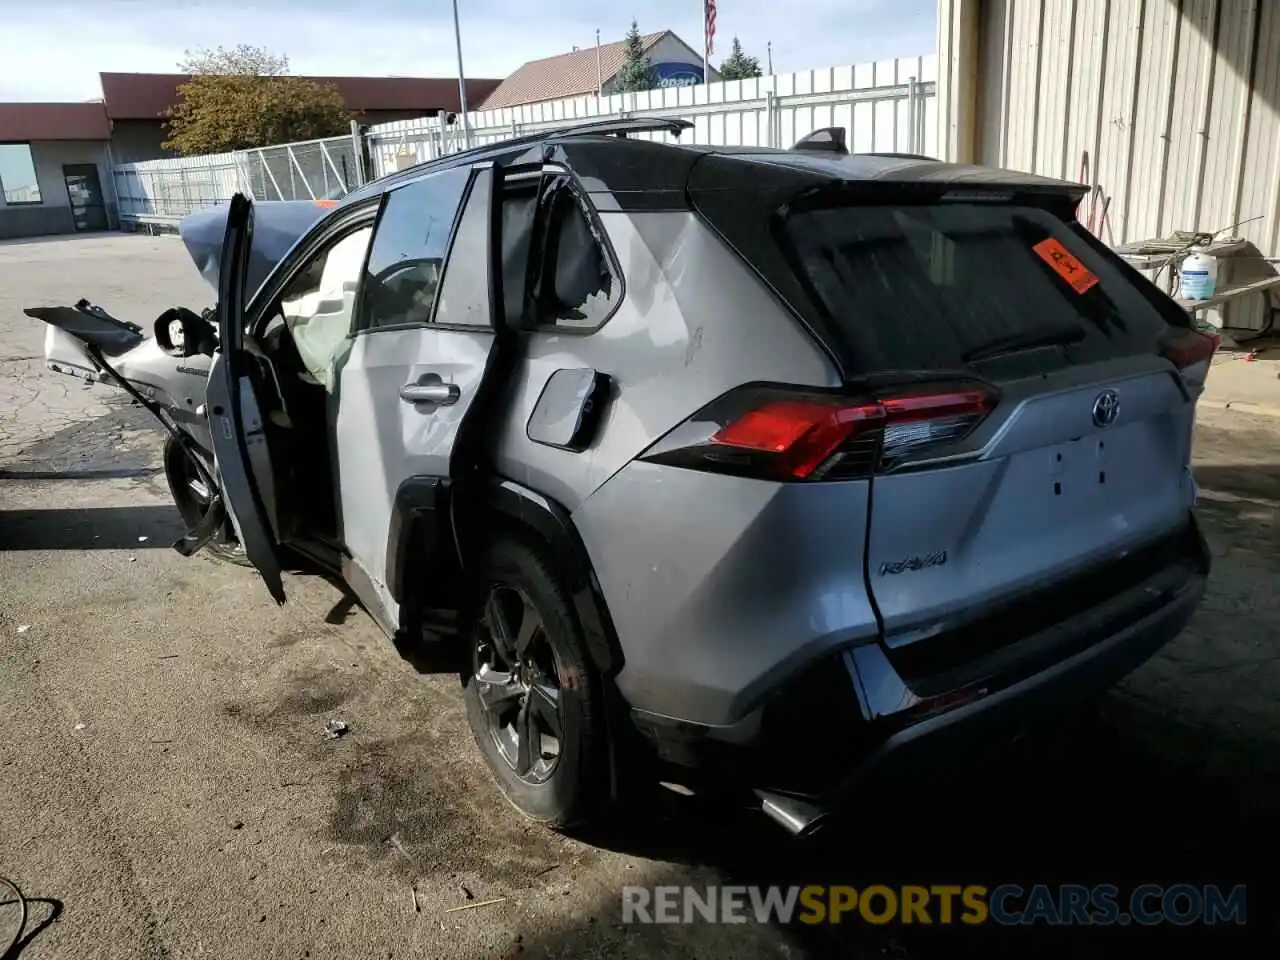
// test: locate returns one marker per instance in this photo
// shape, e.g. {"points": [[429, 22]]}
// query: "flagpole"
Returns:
{"points": [[706, 52], [462, 83], [599, 69]]}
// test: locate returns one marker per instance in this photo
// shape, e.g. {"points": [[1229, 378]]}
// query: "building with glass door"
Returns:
{"points": [[56, 159], [55, 169]]}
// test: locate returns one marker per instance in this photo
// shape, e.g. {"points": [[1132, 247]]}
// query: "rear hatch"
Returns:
{"points": [[1033, 398]]}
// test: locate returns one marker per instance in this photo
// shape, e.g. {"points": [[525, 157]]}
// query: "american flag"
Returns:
{"points": [[709, 15]]}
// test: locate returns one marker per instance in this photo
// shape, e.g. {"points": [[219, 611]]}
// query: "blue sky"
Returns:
{"points": [[53, 49]]}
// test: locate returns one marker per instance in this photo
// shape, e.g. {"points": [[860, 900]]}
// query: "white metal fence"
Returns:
{"points": [[888, 106], [310, 170], [164, 191]]}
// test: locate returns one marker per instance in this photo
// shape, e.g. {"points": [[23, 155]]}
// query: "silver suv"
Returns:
{"points": [[753, 468]]}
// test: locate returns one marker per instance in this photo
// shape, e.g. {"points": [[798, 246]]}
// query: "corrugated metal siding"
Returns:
{"points": [[1111, 143], [1176, 102], [1080, 128], [993, 59], [1023, 84], [1262, 153]]}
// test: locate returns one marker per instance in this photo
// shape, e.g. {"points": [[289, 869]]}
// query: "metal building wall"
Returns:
{"points": [[1176, 104]]}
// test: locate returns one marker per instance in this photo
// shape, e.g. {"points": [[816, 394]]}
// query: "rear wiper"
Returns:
{"points": [[1025, 340]]}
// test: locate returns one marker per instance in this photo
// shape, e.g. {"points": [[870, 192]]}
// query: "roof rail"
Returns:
{"points": [[624, 125], [899, 156], [619, 127]]}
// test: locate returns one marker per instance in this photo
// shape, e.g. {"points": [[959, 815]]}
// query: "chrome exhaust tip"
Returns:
{"points": [[798, 817]]}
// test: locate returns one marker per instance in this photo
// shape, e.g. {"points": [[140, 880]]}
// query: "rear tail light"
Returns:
{"points": [[1186, 348], [779, 434]]}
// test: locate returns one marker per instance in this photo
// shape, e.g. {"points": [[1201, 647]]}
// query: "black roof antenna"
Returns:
{"points": [[826, 140]]}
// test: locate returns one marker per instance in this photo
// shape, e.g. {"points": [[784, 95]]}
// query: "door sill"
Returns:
{"points": [[320, 552]]}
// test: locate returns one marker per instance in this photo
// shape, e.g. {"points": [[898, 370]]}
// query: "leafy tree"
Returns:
{"points": [[739, 66], [241, 59], [636, 72], [242, 98]]}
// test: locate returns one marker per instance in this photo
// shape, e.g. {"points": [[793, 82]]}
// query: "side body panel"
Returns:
{"points": [[714, 584], [721, 587], [693, 324], [383, 440]]}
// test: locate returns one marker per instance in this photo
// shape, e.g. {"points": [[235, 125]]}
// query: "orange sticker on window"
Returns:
{"points": [[1065, 265]]}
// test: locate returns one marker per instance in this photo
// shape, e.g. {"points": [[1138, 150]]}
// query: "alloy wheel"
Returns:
{"points": [[192, 497], [516, 682]]}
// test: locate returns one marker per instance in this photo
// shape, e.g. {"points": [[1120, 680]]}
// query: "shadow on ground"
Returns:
{"points": [[92, 528], [1255, 481], [1099, 802], [1174, 778], [41, 912], [57, 238], [113, 473]]}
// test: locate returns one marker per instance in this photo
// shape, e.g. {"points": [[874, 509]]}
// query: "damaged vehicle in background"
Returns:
{"points": [[760, 469], [168, 374]]}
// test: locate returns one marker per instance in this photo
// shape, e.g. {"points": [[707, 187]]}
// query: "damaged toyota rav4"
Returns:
{"points": [[764, 469]]}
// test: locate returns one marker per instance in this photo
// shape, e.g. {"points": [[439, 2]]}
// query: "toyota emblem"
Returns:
{"points": [[1106, 408]]}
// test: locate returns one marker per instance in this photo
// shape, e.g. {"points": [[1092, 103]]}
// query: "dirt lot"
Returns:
{"points": [[167, 791]]}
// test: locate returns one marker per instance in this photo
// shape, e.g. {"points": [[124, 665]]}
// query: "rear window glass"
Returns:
{"points": [[968, 285]]}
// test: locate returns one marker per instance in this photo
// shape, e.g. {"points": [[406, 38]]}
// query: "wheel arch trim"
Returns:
{"points": [[551, 523], [427, 513]]}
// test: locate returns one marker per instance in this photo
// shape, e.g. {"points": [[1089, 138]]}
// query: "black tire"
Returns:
{"points": [[180, 472], [571, 788]]}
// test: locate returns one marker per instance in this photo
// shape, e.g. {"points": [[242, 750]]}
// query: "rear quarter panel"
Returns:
{"points": [[693, 323], [693, 566]]}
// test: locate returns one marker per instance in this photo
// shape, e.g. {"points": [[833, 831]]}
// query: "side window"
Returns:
{"points": [[575, 288], [409, 247], [464, 291], [519, 217], [317, 304]]}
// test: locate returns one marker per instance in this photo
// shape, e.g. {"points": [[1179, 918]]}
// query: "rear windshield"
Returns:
{"points": [[1002, 289]]}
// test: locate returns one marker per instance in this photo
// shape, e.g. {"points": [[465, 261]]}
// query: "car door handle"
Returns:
{"points": [[434, 392]]}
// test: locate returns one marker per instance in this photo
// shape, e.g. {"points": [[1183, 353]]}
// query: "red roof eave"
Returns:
{"points": [[147, 96], [53, 121]]}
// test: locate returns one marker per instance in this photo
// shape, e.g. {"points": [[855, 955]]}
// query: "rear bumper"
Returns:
{"points": [[860, 712]]}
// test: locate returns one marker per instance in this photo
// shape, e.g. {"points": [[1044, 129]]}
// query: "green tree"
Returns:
{"points": [[739, 66], [244, 97], [240, 59], [636, 72]]}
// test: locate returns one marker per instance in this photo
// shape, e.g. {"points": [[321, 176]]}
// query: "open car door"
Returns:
{"points": [[235, 402]]}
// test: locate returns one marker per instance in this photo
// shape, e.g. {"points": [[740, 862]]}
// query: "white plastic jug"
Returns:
{"points": [[1199, 275]]}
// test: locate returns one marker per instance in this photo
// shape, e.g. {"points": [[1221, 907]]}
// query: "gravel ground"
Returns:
{"points": [[167, 791]]}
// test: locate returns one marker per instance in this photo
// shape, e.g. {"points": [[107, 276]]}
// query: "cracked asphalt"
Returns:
{"points": [[166, 790]]}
